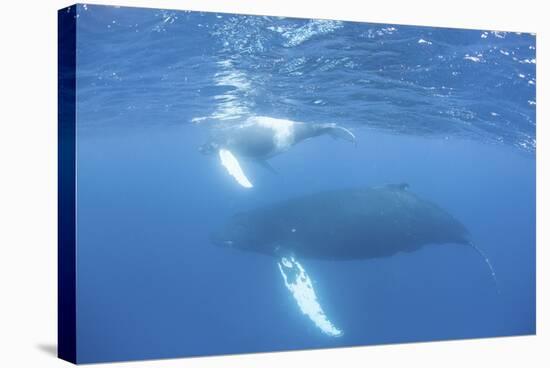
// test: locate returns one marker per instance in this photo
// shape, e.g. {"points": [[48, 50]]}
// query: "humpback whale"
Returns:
{"points": [[260, 138], [348, 224]]}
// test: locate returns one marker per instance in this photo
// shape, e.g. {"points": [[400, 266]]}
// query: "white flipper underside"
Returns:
{"points": [[300, 286], [231, 164]]}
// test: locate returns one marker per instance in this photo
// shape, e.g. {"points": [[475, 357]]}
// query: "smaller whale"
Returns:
{"points": [[260, 138]]}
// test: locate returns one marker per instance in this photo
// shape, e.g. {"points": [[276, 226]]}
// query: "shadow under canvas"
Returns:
{"points": [[50, 349]]}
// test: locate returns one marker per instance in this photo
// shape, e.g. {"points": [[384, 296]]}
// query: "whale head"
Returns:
{"points": [[244, 232], [209, 148]]}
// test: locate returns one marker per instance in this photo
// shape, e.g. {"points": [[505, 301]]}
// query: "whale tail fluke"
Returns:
{"points": [[489, 265], [339, 132]]}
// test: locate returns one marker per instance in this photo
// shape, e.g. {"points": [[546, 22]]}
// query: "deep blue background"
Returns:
{"points": [[451, 112]]}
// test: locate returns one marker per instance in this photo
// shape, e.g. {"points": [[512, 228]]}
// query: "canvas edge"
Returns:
{"points": [[66, 282]]}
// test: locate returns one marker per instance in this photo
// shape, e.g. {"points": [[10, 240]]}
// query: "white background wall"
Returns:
{"points": [[28, 182]]}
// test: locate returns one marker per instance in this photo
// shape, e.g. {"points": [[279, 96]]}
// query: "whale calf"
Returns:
{"points": [[260, 138], [361, 223]]}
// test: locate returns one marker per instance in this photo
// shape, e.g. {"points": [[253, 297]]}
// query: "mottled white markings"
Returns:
{"points": [[299, 284], [283, 130]]}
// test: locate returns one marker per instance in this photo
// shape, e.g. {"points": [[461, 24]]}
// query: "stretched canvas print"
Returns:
{"points": [[239, 184]]}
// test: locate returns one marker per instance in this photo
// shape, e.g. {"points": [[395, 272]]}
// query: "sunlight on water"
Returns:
{"points": [[230, 104], [299, 284]]}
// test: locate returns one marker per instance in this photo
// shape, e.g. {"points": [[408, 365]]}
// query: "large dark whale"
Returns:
{"points": [[346, 224]]}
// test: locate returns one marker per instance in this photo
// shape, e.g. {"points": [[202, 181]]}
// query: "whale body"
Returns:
{"points": [[344, 224], [349, 224]]}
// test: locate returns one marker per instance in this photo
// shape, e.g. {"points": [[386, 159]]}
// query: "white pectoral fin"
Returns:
{"points": [[300, 286], [231, 164]]}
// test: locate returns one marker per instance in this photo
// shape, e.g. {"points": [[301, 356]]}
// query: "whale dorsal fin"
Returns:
{"points": [[299, 284], [231, 164]]}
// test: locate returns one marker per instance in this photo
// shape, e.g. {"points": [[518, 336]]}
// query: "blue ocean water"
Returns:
{"points": [[451, 112]]}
